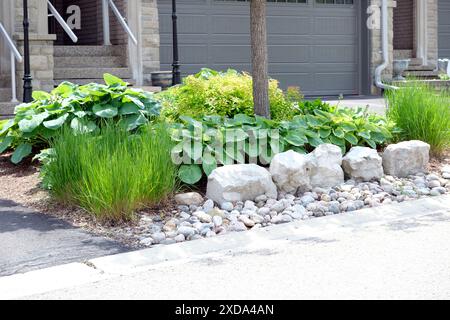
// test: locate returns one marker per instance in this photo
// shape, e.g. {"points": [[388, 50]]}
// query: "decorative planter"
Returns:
{"points": [[162, 79], [444, 66], [399, 67]]}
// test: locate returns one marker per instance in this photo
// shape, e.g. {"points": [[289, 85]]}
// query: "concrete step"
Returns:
{"points": [[89, 51], [420, 68], [7, 109], [5, 94], [148, 88], [434, 83], [416, 62], [90, 73], [93, 61], [86, 81], [422, 74]]}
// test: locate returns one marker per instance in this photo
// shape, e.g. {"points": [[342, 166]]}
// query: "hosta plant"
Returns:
{"points": [[204, 145], [82, 107]]}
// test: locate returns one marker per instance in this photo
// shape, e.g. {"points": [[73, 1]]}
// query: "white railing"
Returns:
{"points": [[106, 4], [61, 21], [15, 55]]}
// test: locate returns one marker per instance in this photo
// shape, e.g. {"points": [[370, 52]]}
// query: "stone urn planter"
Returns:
{"points": [[399, 67], [162, 79]]}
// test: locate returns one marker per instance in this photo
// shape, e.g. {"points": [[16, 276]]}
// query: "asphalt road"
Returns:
{"points": [[404, 259], [31, 240]]}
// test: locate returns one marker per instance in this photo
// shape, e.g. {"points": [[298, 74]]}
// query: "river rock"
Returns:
{"points": [[326, 171], [406, 158], [240, 182], [291, 171], [362, 163]]}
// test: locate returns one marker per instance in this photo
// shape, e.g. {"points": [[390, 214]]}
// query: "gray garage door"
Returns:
{"points": [[312, 43], [444, 28]]}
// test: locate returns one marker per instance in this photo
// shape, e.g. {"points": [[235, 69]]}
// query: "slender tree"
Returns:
{"points": [[258, 30]]}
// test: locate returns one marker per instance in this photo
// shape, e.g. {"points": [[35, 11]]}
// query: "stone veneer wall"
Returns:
{"points": [[375, 41], [150, 39]]}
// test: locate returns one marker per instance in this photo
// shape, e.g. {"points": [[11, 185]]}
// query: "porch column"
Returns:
{"points": [[421, 30]]}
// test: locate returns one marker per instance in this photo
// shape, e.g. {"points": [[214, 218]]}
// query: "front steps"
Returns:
{"points": [[85, 64], [6, 106], [417, 70]]}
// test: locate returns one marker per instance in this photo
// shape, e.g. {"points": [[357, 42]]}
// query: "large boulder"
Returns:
{"points": [[326, 171], [406, 158], [240, 182], [362, 163], [290, 171]]}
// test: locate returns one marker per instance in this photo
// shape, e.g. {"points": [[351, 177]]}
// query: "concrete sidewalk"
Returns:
{"points": [[395, 251], [376, 104], [30, 240]]}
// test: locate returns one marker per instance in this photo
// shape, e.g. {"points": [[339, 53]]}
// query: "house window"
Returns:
{"points": [[335, 1]]}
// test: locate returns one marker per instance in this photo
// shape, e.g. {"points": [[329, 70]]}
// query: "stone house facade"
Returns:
{"points": [[327, 47]]}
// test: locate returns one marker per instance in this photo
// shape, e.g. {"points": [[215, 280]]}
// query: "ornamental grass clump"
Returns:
{"points": [[111, 173], [421, 113]]}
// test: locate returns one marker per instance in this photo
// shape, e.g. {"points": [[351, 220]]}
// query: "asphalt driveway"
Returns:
{"points": [[30, 240]]}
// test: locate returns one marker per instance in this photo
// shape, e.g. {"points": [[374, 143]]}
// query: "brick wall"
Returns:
{"points": [[91, 32], [404, 25]]}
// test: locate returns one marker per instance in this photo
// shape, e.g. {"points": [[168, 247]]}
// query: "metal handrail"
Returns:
{"points": [[121, 19], [15, 55], [61, 21]]}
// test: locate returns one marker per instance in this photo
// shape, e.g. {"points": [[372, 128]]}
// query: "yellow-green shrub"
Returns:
{"points": [[222, 93]]}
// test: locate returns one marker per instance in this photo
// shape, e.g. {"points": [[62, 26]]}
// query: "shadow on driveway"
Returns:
{"points": [[31, 240]]}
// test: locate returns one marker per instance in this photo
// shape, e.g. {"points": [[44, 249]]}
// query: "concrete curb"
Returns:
{"points": [[126, 263]]}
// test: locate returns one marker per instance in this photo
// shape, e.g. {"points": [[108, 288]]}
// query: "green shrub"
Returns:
{"points": [[223, 93], [110, 173], [84, 108], [197, 141], [422, 114]]}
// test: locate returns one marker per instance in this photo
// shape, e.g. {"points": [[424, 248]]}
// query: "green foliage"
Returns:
{"points": [[219, 140], [421, 113], [223, 93], [84, 108], [110, 173]]}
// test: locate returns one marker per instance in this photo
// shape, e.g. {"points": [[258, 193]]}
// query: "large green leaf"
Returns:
{"points": [[296, 139], [337, 141], [82, 125], [324, 133], [40, 95], [134, 121], [364, 134], [111, 80], [209, 163], [190, 174], [7, 126], [5, 143], [56, 123], [338, 132], [350, 137], [21, 152], [28, 125], [129, 108], [105, 110]]}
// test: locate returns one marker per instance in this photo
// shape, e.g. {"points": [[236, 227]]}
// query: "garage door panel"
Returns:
{"points": [[444, 28], [289, 25], [311, 46], [336, 54], [334, 26], [288, 54], [230, 54]]}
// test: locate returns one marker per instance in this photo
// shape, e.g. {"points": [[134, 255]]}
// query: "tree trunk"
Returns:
{"points": [[259, 57]]}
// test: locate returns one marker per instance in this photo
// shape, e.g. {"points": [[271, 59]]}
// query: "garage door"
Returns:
{"points": [[444, 28], [312, 43]]}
